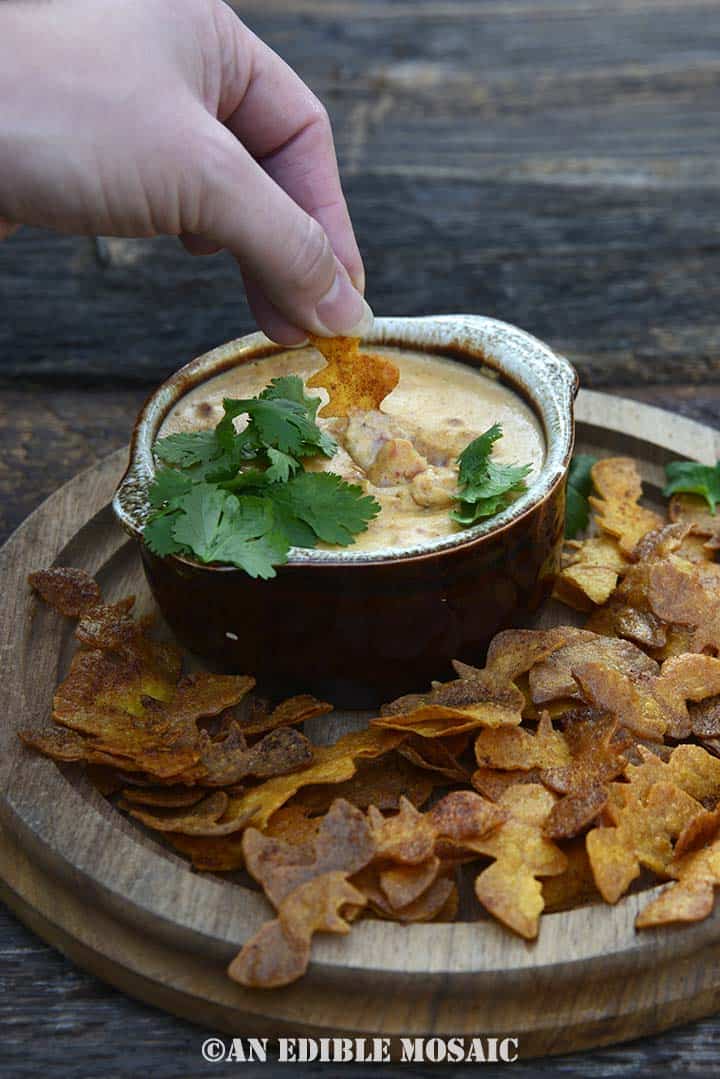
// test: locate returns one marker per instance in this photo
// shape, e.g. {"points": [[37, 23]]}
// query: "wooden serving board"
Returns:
{"points": [[125, 907]]}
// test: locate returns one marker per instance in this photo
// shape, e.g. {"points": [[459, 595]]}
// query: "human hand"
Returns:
{"points": [[141, 117]]}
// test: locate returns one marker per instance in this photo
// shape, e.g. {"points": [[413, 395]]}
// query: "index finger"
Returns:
{"points": [[287, 130]]}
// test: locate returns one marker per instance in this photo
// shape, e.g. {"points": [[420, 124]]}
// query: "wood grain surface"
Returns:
{"points": [[115, 900], [551, 162]]}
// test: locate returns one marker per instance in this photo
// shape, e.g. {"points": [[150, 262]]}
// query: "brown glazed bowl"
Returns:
{"points": [[362, 627]]}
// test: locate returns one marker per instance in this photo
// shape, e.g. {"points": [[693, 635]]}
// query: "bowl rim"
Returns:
{"points": [[541, 376]]}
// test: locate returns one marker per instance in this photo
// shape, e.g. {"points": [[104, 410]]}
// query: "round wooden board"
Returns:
{"points": [[125, 907]]}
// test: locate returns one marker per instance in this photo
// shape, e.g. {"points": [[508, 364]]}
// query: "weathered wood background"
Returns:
{"points": [[551, 162]]}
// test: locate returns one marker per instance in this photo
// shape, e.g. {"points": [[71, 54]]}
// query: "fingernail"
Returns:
{"points": [[343, 310]]}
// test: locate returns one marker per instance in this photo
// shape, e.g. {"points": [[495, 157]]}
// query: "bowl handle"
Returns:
{"points": [[130, 503]]}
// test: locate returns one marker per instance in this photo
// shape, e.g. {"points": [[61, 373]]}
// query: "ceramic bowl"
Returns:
{"points": [[360, 627]]}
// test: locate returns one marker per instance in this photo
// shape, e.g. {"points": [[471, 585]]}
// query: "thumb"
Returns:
{"points": [[280, 247]]}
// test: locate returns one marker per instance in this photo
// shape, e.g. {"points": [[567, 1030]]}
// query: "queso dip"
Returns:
{"points": [[404, 455]]}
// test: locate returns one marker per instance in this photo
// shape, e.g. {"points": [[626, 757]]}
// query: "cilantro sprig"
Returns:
{"points": [[243, 498], [486, 487], [579, 488], [689, 477]]}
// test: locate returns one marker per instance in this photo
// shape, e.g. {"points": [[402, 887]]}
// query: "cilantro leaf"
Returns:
{"points": [[158, 535], [249, 537], [689, 477], [187, 448], [279, 423], [197, 524], [168, 485], [291, 388], [282, 466], [579, 487], [485, 487], [335, 510], [473, 459]]}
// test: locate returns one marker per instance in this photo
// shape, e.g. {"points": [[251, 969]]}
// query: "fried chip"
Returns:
{"points": [[575, 886], [403, 884], [705, 717], [693, 510], [575, 812], [486, 697], [164, 797], [689, 767], [354, 380], [408, 837], [653, 706], [433, 755], [331, 764], [553, 678], [437, 902], [210, 854], [309, 892], [279, 952], [646, 822], [517, 748], [187, 820], [492, 783], [692, 898], [590, 572], [688, 596], [292, 824], [343, 842], [509, 888], [225, 762], [67, 590], [577, 762], [379, 782], [288, 713], [617, 510]]}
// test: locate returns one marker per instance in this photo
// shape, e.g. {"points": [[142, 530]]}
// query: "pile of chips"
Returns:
{"points": [[577, 763]]}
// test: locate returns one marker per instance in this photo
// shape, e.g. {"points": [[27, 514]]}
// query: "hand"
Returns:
{"points": [[140, 117]]}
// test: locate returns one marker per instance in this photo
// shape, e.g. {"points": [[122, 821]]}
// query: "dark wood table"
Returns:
{"points": [[550, 162]]}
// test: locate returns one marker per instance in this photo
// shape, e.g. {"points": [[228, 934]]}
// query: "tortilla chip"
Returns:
{"points": [[590, 572], [354, 380], [518, 748], [509, 888], [67, 590], [225, 762], [164, 797], [379, 782], [553, 678], [210, 854], [433, 755], [331, 764], [575, 886], [492, 783], [685, 594], [403, 884], [646, 822], [408, 837], [486, 697], [693, 510], [288, 713], [689, 767], [617, 512], [575, 812], [188, 820], [437, 902], [279, 952], [292, 824], [692, 898]]}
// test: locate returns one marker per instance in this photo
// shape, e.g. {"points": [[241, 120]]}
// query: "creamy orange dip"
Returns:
{"points": [[405, 455]]}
